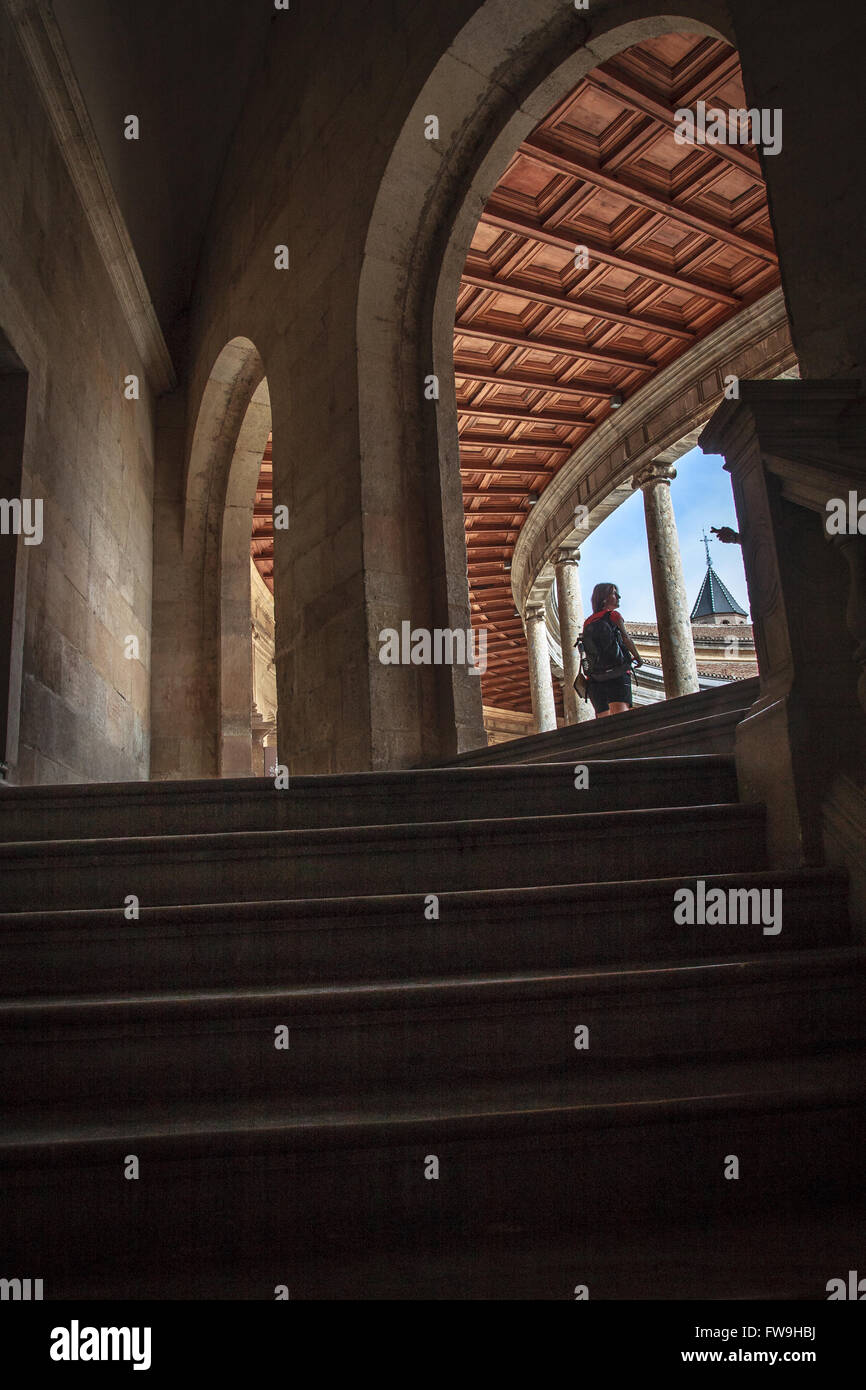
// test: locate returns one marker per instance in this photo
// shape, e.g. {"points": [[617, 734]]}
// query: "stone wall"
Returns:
{"points": [[88, 454], [503, 725]]}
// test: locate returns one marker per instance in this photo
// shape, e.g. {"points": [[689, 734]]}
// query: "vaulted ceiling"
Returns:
{"points": [[184, 67], [678, 240]]}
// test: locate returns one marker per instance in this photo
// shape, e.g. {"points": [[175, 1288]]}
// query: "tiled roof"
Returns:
{"points": [[715, 598], [703, 633]]}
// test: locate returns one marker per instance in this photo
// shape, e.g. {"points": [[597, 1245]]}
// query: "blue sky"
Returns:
{"points": [[617, 551]]}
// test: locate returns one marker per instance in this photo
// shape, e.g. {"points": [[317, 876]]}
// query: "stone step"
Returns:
{"points": [[426, 858], [435, 794], [256, 1181], [682, 723], [188, 1129], [509, 1261], [712, 733], [343, 1042], [388, 937]]}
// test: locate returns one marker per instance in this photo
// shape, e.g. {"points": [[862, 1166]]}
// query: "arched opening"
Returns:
{"points": [[264, 634], [426, 213], [617, 281], [240, 597], [214, 640]]}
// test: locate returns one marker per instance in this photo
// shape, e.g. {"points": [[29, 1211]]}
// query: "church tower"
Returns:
{"points": [[715, 605]]}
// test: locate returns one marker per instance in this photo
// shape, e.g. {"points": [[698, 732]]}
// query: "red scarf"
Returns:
{"points": [[603, 613]]}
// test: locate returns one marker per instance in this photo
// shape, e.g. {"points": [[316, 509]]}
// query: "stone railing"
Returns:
{"points": [[796, 452]]}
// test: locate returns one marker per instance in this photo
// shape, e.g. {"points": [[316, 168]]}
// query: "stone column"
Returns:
{"points": [[669, 587], [540, 678], [570, 627]]}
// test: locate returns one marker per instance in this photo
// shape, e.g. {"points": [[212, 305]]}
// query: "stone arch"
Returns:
{"points": [[427, 206], [231, 385], [235, 660], [202, 643]]}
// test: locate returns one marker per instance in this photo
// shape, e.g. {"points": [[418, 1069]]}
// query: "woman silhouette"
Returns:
{"points": [[609, 688]]}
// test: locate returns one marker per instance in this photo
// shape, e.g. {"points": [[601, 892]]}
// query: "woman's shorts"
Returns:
{"points": [[603, 694]]}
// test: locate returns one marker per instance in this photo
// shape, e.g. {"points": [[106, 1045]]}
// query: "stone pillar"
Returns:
{"points": [[669, 587], [570, 627], [790, 447], [261, 729], [540, 678]]}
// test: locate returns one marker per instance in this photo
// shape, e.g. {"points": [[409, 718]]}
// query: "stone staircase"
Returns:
{"points": [[422, 1031], [702, 723]]}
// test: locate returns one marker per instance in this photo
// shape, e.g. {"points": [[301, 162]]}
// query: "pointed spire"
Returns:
{"points": [[714, 597]]}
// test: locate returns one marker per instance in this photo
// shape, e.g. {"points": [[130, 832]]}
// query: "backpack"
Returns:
{"points": [[604, 656]]}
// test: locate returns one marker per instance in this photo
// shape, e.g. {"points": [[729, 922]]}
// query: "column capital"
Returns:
{"points": [[654, 473], [567, 555], [534, 615]]}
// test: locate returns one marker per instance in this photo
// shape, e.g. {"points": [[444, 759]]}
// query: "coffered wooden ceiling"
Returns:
{"points": [[679, 240], [262, 543]]}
